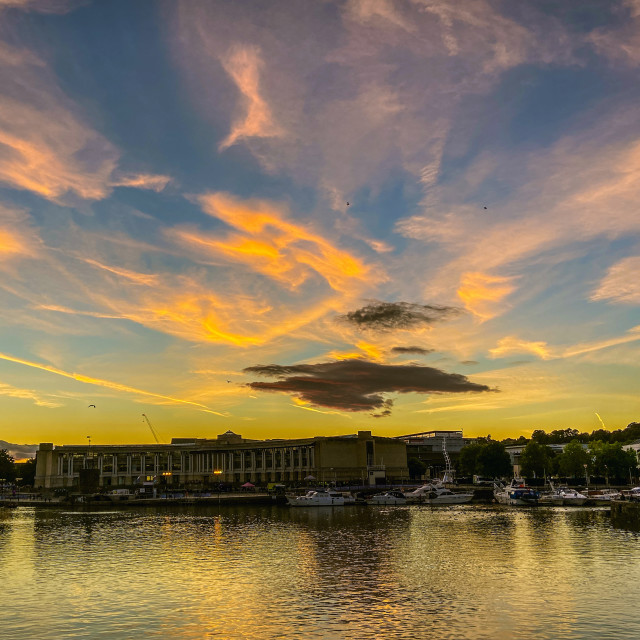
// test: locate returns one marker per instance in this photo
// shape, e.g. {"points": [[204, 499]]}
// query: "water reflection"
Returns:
{"points": [[344, 573]]}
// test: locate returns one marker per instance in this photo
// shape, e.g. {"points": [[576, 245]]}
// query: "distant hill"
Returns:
{"points": [[19, 451]]}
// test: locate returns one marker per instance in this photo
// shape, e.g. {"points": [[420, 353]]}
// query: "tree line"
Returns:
{"points": [[11, 471], [597, 454]]}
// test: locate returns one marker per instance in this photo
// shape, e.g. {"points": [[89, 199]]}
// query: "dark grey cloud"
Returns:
{"points": [[358, 385], [19, 451], [418, 350], [386, 316]]}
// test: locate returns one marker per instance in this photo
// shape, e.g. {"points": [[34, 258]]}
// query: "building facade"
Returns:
{"points": [[360, 459], [430, 447]]}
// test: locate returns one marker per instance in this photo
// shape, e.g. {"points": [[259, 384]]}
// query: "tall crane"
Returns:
{"points": [[153, 431]]}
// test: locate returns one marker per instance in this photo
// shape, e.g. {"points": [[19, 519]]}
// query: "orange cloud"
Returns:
{"points": [[274, 247], [243, 64], [510, 344], [483, 294]]}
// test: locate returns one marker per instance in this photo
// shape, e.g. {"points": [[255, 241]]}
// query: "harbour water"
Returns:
{"points": [[331, 573]]}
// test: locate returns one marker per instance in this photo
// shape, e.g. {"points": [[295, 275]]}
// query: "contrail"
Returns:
{"points": [[601, 421], [106, 383]]}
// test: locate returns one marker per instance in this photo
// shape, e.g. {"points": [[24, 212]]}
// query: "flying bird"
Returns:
{"points": [[485, 208], [347, 204], [91, 405]]}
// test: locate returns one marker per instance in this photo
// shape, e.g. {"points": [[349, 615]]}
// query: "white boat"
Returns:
{"points": [[563, 496], [318, 498], [390, 497], [437, 493], [517, 493], [604, 495]]}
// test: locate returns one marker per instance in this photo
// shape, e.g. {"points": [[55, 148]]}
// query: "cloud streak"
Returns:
{"points": [[114, 386]]}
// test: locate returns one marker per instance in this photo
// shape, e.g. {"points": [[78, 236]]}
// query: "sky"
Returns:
{"points": [[291, 219]]}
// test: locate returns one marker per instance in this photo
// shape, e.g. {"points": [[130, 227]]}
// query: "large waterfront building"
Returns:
{"points": [[430, 446], [359, 458]]}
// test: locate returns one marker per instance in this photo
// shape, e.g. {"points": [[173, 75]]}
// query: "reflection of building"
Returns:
{"points": [[429, 447], [359, 458]]}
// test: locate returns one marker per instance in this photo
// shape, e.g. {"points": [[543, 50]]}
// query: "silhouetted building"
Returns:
{"points": [[359, 458]]}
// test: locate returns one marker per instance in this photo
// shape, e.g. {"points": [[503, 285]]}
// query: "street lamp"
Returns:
{"points": [[586, 477]]}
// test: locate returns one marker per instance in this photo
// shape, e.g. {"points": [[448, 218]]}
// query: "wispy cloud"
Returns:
{"points": [[484, 294], [38, 399], [621, 284], [510, 345], [142, 181], [243, 64]]}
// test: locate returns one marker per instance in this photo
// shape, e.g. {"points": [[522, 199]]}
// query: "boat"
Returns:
{"points": [[318, 498], [565, 497], [516, 493], [631, 494], [390, 497], [436, 493], [603, 495]]}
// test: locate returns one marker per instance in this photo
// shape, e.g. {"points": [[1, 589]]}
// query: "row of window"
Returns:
{"points": [[154, 463]]}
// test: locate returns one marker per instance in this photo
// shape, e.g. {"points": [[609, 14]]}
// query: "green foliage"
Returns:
{"points": [[493, 461], [536, 460], [611, 460], [468, 459], [7, 467], [488, 458], [26, 471], [629, 434], [416, 467], [572, 460]]}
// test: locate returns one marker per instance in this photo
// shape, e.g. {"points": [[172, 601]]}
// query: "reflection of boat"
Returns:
{"points": [[390, 497], [517, 493], [437, 493], [563, 496], [318, 498]]}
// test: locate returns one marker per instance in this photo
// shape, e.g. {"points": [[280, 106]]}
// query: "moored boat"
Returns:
{"points": [[318, 498], [390, 497], [516, 494], [565, 497], [437, 493]]}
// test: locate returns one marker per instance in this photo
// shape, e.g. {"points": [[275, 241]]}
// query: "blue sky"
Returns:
{"points": [[175, 237]]}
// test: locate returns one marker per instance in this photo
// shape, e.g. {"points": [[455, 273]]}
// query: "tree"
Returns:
{"points": [[611, 460], [493, 461], [540, 436], [572, 461], [26, 471], [469, 458], [416, 467], [7, 468], [535, 460]]}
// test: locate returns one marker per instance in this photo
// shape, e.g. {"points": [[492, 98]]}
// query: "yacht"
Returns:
{"points": [[437, 493], [517, 493], [603, 495], [563, 496], [318, 498], [390, 497]]}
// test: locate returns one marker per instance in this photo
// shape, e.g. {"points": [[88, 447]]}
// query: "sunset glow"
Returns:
{"points": [[397, 216]]}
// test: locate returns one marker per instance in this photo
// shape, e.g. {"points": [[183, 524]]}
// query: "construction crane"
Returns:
{"points": [[153, 431]]}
